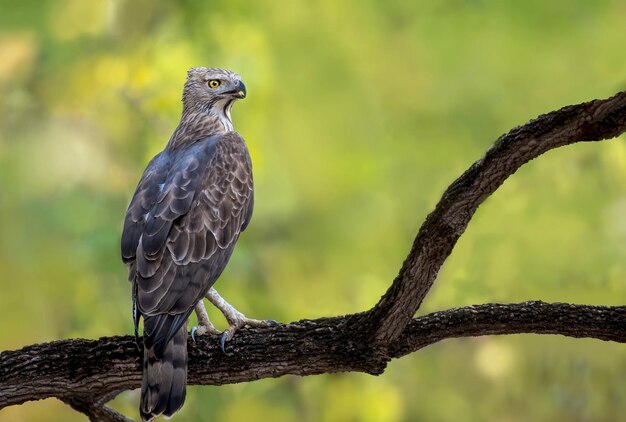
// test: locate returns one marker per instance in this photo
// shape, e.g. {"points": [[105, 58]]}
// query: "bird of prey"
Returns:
{"points": [[190, 206]]}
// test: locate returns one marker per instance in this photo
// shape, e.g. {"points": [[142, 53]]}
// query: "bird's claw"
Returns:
{"points": [[229, 333], [241, 322], [200, 330], [223, 339]]}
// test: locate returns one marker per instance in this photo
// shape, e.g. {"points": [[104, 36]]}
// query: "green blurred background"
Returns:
{"points": [[359, 114]]}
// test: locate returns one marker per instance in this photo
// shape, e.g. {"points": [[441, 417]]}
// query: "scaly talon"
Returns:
{"points": [[223, 337], [204, 324], [198, 330], [236, 319]]}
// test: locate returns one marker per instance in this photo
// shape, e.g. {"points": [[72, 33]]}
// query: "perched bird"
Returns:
{"points": [[190, 206]]}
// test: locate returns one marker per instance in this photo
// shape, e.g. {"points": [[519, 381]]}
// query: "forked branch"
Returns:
{"points": [[587, 122], [85, 373]]}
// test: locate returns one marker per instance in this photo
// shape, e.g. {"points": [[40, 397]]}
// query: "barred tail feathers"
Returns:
{"points": [[164, 377]]}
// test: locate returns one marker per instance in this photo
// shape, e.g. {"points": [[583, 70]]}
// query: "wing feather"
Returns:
{"points": [[182, 224]]}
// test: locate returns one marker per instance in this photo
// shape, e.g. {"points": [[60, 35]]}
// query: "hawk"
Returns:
{"points": [[190, 206]]}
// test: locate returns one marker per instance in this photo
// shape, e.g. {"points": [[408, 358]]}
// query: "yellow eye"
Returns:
{"points": [[214, 83]]}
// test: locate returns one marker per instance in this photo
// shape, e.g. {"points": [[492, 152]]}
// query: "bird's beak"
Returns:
{"points": [[240, 90]]}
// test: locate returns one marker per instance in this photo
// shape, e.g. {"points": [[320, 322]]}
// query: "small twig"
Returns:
{"points": [[96, 413]]}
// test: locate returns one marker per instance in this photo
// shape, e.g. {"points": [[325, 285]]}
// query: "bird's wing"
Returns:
{"points": [[222, 206], [164, 193], [178, 237]]}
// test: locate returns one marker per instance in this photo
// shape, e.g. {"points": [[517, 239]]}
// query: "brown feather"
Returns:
{"points": [[191, 204]]}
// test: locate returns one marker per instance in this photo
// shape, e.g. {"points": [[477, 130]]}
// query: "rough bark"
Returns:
{"points": [[87, 373]]}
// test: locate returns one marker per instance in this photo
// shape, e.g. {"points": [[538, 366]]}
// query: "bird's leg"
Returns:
{"points": [[236, 319], [204, 324]]}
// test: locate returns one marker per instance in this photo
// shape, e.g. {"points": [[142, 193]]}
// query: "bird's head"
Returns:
{"points": [[209, 89]]}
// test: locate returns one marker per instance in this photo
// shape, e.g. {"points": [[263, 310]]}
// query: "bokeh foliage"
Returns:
{"points": [[359, 114]]}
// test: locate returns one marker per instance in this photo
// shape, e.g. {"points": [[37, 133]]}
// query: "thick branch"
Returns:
{"points": [[592, 121], [601, 322], [81, 372]]}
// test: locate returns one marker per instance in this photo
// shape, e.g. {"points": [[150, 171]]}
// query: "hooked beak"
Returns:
{"points": [[239, 91]]}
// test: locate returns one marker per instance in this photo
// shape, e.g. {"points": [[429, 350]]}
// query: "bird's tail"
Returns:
{"points": [[164, 377]]}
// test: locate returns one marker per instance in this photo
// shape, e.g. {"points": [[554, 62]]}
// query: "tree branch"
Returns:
{"points": [[592, 121], [96, 412], [81, 372], [601, 322], [87, 373]]}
